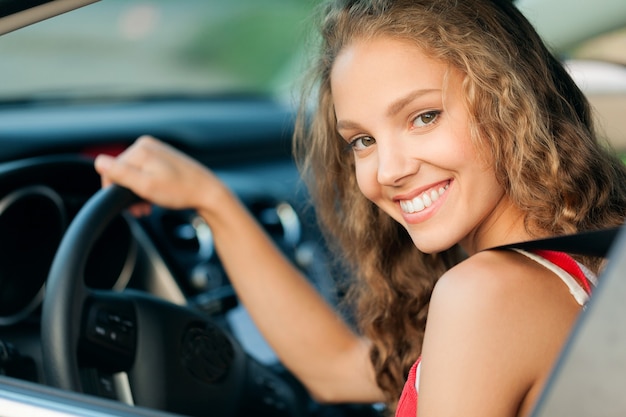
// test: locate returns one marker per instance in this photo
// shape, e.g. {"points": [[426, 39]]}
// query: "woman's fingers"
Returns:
{"points": [[156, 172], [116, 170]]}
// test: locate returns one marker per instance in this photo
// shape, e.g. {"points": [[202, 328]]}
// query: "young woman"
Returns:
{"points": [[442, 129]]}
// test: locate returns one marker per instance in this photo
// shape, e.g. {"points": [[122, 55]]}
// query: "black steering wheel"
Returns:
{"points": [[140, 349]]}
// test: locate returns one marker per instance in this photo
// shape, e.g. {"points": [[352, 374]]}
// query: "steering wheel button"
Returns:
{"points": [[106, 387], [128, 324], [114, 318], [100, 331]]}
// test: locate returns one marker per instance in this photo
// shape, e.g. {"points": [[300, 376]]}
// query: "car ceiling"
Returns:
{"points": [[15, 14]]}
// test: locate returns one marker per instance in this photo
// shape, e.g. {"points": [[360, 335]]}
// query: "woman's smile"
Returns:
{"points": [[424, 200]]}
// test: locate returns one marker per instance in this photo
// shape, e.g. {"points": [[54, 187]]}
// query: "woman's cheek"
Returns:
{"points": [[366, 178]]}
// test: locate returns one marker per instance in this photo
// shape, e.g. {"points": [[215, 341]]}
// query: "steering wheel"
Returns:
{"points": [[137, 348]]}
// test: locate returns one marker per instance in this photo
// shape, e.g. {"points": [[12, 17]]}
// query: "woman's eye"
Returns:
{"points": [[362, 142], [425, 119]]}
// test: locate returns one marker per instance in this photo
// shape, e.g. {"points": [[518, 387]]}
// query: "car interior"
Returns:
{"points": [[104, 313]]}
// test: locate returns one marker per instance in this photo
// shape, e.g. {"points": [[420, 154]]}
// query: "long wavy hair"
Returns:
{"points": [[526, 114]]}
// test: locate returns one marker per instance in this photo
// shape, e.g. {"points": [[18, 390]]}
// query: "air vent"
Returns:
{"points": [[280, 220], [179, 231], [188, 232]]}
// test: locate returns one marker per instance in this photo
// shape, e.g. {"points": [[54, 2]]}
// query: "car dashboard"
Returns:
{"points": [[47, 175]]}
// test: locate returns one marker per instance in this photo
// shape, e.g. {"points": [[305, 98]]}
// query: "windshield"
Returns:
{"points": [[148, 48], [128, 48]]}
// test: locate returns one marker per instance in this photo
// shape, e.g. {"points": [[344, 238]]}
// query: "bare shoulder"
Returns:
{"points": [[481, 269], [503, 290], [502, 278], [495, 325]]}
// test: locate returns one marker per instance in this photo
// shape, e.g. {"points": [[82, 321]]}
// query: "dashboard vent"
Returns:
{"points": [[179, 231], [280, 220]]}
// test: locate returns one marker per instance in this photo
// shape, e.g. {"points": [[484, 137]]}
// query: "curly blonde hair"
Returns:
{"points": [[525, 113]]}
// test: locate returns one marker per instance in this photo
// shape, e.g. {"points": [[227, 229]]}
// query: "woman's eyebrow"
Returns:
{"points": [[346, 124], [402, 102], [395, 107]]}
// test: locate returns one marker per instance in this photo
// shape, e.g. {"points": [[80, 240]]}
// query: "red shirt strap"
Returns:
{"points": [[568, 264]]}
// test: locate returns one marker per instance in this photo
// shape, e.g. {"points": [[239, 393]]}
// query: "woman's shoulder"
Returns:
{"points": [[503, 282], [493, 272], [500, 273], [499, 319]]}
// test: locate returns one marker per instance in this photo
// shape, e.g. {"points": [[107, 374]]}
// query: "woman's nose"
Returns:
{"points": [[394, 163]]}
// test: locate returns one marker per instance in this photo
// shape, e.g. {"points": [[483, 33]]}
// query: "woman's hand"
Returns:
{"points": [[160, 174]]}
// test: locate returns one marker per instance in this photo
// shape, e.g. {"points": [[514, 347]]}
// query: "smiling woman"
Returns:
{"points": [[219, 292], [507, 140]]}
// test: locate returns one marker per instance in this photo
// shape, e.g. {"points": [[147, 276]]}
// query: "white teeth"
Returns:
{"points": [[434, 195], [421, 202], [427, 201]]}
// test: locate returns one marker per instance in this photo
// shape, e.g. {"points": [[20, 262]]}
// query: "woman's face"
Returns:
{"points": [[408, 129]]}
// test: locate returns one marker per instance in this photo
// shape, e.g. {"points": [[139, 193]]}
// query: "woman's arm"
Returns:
{"points": [[305, 332]]}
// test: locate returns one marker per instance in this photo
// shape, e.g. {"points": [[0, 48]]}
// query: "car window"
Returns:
{"points": [[130, 47], [599, 66]]}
